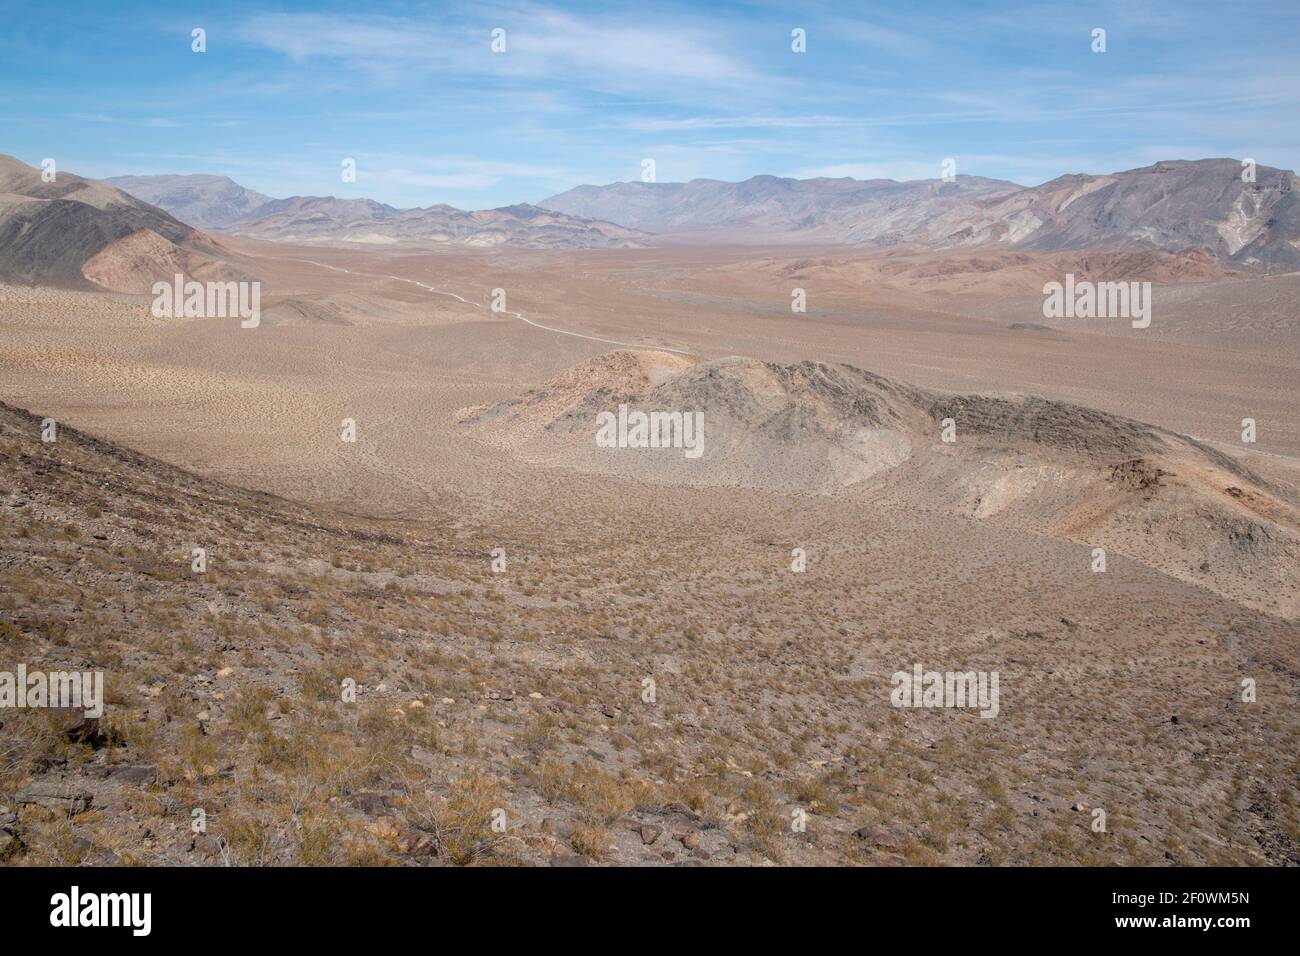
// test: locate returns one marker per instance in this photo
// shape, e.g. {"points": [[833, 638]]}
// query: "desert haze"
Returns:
{"points": [[476, 511]]}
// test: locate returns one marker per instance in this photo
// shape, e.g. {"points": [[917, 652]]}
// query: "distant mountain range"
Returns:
{"points": [[217, 202], [126, 234], [1184, 205], [767, 208], [121, 234], [325, 219], [1173, 206]]}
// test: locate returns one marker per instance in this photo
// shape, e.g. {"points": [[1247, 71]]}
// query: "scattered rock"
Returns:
{"points": [[876, 837], [10, 845], [47, 762], [55, 795], [650, 833], [205, 845], [92, 732], [1138, 473], [370, 802], [141, 776], [421, 844]]}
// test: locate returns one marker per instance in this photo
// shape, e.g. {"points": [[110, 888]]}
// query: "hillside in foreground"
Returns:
{"points": [[525, 691]]}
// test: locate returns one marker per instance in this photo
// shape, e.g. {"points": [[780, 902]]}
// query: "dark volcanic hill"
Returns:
{"points": [[1053, 467], [49, 232]]}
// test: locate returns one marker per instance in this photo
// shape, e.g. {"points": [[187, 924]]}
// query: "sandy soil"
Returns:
{"points": [[979, 557]]}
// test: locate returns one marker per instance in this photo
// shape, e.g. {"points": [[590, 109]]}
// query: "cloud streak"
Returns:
{"points": [[539, 42]]}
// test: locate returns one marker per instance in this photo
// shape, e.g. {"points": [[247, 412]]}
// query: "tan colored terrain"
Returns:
{"points": [[1120, 690]]}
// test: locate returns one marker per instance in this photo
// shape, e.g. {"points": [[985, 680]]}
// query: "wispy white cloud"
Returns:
{"points": [[861, 33], [450, 172], [355, 39], [739, 122], [538, 42], [640, 51]]}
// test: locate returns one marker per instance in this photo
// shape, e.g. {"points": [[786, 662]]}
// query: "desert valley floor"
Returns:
{"points": [[525, 690]]}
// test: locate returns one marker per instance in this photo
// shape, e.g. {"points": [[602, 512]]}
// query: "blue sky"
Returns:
{"points": [[586, 91]]}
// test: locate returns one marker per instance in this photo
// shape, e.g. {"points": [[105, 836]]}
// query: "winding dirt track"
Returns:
{"points": [[478, 305]]}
